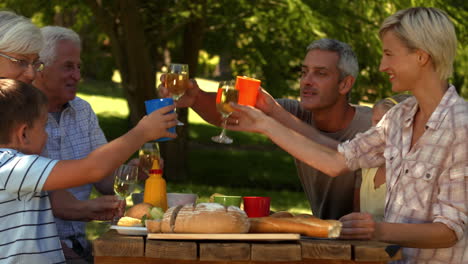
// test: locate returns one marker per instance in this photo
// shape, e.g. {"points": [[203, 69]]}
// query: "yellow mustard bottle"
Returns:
{"points": [[155, 187]]}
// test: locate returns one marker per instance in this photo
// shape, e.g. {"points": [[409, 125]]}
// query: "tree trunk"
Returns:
{"points": [[176, 151], [122, 22]]}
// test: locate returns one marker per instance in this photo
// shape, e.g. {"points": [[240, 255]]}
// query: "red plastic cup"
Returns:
{"points": [[248, 90], [256, 206]]}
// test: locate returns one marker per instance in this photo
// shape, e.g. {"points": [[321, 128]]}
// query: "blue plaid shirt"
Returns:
{"points": [[74, 137]]}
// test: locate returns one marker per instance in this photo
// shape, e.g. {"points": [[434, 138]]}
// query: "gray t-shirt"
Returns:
{"points": [[329, 198]]}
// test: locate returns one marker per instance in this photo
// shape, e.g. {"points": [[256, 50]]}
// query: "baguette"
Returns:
{"points": [[205, 218], [308, 226], [282, 214]]}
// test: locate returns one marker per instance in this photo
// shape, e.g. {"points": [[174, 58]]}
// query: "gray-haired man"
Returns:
{"points": [[74, 132]]}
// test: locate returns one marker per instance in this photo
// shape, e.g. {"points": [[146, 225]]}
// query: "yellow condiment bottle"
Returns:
{"points": [[155, 187]]}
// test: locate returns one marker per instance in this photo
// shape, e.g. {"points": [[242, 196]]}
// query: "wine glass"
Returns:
{"points": [[148, 153], [176, 81], [226, 93], [125, 179]]}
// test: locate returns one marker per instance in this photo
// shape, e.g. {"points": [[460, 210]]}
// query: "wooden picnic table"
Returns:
{"points": [[112, 247]]}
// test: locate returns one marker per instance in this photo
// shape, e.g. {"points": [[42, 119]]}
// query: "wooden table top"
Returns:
{"points": [[114, 248]]}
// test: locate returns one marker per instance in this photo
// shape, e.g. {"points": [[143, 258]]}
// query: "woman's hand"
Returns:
{"points": [[358, 226], [247, 118]]}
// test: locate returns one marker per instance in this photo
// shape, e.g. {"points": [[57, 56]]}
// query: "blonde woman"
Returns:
{"points": [[422, 142]]}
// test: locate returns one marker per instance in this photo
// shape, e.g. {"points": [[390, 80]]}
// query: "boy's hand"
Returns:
{"points": [[155, 125], [189, 97]]}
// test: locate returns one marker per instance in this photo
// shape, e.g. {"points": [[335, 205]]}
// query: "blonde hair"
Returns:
{"points": [[52, 35], [390, 102], [428, 29], [18, 34]]}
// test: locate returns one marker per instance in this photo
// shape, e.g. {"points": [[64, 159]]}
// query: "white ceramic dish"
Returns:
{"points": [[173, 199], [130, 230]]}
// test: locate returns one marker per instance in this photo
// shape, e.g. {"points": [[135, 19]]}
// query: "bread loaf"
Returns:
{"points": [[205, 218], [308, 226]]}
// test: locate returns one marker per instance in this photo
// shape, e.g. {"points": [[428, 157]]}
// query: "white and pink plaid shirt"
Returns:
{"points": [[425, 184]]}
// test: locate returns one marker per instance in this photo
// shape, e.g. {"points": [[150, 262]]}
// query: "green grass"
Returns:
{"points": [[252, 165]]}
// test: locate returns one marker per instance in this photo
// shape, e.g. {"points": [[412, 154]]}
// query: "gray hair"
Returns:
{"points": [[347, 63], [52, 35], [19, 35]]}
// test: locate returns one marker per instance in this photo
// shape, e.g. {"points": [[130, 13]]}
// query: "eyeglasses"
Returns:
{"points": [[23, 64]]}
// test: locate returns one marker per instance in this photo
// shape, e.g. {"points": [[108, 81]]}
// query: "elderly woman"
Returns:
{"points": [[422, 143], [20, 43]]}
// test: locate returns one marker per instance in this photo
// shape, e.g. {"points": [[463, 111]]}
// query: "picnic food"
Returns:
{"points": [[204, 218], [142, 212], [282, 214], [129, 221], [304, 225], [139, 210], [153, 226]]}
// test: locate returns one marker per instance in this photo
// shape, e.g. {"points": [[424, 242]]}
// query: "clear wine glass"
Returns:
{"points": [[226, 93], [176, 81], [125, 179], [147, 154]]}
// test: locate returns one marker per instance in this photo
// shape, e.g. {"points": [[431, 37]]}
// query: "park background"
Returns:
{"points": [[127, 43]]}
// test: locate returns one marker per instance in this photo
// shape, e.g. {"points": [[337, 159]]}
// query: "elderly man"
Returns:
{"points": [[74, 132], [329, 71]]}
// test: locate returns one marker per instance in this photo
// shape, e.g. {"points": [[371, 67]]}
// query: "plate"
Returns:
{"points": [[130, 230]]}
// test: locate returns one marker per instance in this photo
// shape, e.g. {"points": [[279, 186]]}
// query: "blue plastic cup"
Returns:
{"points": [[155, 104]]}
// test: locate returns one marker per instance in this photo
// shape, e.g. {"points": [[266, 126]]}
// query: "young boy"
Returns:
{"points": [[27, 232]]}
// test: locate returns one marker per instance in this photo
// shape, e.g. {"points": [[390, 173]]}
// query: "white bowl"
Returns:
{"points": [[173, 199]]}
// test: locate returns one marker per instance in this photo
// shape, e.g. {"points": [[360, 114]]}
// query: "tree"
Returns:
{"points": [[259, 38]]}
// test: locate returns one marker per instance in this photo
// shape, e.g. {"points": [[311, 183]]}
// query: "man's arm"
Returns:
{"points": [[205, 106], [106, 185], [67, 207], [202, 102], [271, 107]]}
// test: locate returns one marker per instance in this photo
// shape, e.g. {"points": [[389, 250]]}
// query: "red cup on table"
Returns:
{"points": [[256, 206], [248, 90]]}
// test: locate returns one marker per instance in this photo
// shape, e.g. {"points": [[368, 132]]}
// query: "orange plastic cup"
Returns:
{"points": [[248, 90]]}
